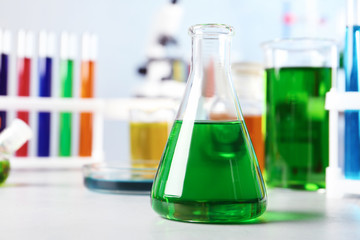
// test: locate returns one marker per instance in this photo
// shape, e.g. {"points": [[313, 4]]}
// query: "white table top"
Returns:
{"points": [[56, 205]]}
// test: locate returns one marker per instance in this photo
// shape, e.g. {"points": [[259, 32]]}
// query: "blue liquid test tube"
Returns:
{"points": [[45, 63], [351, 66]]}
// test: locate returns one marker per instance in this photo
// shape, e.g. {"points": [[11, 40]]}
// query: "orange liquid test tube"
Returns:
{"points": [[87, 91]]}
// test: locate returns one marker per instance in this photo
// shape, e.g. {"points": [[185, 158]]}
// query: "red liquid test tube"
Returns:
{"points": [[25, 48]]}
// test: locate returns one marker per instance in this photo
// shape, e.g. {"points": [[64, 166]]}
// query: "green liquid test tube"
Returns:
{"points": [[66, 76]]}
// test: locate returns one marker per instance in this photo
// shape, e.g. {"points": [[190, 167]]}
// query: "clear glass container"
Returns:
{"points": [[248, 80], [149, 131], [351, 67], [110, 178], [208, 171], [299, 72], [11, 139]]}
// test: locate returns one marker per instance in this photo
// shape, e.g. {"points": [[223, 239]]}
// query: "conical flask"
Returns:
{"points": [[208, 171]]}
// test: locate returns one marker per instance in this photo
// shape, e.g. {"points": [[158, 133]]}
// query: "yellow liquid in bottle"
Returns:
{"points": [[147, 143]]}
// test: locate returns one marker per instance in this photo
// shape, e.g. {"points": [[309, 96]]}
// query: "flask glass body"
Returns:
{"points": [[208, 171]]}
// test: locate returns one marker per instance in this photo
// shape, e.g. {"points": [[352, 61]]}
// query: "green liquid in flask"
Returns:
{"points": [[218, 179], [297, 127]]}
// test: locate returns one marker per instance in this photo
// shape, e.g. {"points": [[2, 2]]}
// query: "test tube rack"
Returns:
{"points": [[111, 109], [337, 185]]}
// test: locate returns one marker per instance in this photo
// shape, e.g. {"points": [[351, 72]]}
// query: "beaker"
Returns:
{"points": [[248, 80], [149, 131], [209, 171], [299, 72]]}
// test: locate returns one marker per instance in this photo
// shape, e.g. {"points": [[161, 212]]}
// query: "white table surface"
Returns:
{"points": [[56, 205]]}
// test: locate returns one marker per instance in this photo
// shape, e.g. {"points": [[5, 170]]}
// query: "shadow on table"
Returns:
{"points": [[270, 217], [34, 184], [287, 216], [284, 216]]}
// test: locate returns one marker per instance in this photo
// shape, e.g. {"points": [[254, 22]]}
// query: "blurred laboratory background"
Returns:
{"points": [[126, 30]]}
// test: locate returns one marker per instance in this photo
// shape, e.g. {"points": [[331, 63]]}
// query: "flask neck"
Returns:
{"points": [[210, 54]]}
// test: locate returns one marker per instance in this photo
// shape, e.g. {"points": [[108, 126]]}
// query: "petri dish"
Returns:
{"points": [[101, 177]]}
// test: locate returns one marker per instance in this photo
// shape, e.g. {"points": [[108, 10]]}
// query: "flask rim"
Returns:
{"points": [[211, 30]]}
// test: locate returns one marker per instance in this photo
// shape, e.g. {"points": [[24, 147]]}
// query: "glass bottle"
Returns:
{"points": [[209, 171], [11, 139]]}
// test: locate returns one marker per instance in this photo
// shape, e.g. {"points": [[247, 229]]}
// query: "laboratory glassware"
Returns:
{"points": [[25, 53], [299, 72], [248, 78], [89, 45], [149, 131], [208, 171], [45, 65], [11, 139], [351, 67], [67, 56], [5, 49], [118, 179]]}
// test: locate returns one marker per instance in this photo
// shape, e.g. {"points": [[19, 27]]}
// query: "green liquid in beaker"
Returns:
{"points": [[297, 134], [218, 179]]}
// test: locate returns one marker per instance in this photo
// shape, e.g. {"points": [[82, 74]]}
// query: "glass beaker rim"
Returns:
{"points": [[298, 44], [211, 30]]}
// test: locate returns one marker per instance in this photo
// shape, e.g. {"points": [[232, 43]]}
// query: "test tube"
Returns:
{"points": [[45, 63], [25, 52], [5, 47], [89, 48], [67, 56], [351, 67]]}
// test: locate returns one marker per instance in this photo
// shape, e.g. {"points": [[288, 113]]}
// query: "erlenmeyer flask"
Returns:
{"points": [[208, 171]]}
